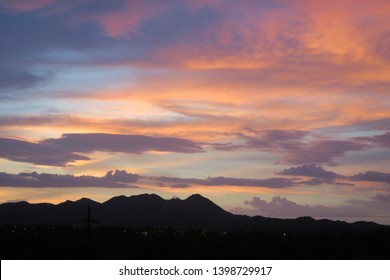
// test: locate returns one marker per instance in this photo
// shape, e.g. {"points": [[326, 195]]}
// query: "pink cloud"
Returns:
{"points": [[281, 206]]}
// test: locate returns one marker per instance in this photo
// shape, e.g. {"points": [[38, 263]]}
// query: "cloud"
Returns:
{"points": [[319, 176], [282, 207], [377, 206], [364, 125], [180, 186], [277, 139], [267, 43], [228, 181], [70, 147], [381, 140], [379, 201], [310, 170], [119, 23], [319, 181], [121, 176], [382, 198], [44, 180], [372, 176], [25, 5], [36, 153], [14, 78], [295, 147], [135, 144], [321, 151]]}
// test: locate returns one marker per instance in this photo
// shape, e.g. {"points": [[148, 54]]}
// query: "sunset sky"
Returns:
{"points": [[278, 108]]}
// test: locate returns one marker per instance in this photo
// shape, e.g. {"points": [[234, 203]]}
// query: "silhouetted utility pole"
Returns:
{"points": [[88, 221]]}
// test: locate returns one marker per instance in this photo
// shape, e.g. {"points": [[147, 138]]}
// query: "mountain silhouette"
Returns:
{"points": [[151, 210]]}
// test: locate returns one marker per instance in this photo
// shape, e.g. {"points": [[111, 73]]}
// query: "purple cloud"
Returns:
{"points": [[319, 181], [11, 78], [372, 176], [282, 207], [134, 144], [295, 148], [70, 147], [227, 181], [277, 140], [36, 153], [45, 180], [378, 205], [382, 198], [121, 176], [180, 186], [310, 170], [382, 140], [322, 151], [368, 125], [319, 175]]}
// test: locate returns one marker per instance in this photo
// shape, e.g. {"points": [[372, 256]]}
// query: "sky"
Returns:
{"points": [[277, 108]]}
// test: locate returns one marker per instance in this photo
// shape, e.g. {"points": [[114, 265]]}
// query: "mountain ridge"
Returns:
{"points": [[195, 211]]}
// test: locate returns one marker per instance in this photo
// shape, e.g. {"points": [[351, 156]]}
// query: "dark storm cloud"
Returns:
{"points": [[70, 147], [44, 180]]}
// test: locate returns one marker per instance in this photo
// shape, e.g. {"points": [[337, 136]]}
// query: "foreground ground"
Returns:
{"points": [[66, 242]]}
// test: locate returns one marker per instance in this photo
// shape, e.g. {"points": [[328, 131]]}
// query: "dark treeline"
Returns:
{"points": [[67, 242]]}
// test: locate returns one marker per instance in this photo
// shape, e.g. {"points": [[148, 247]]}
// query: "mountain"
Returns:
{"points": [[151, 210]]}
